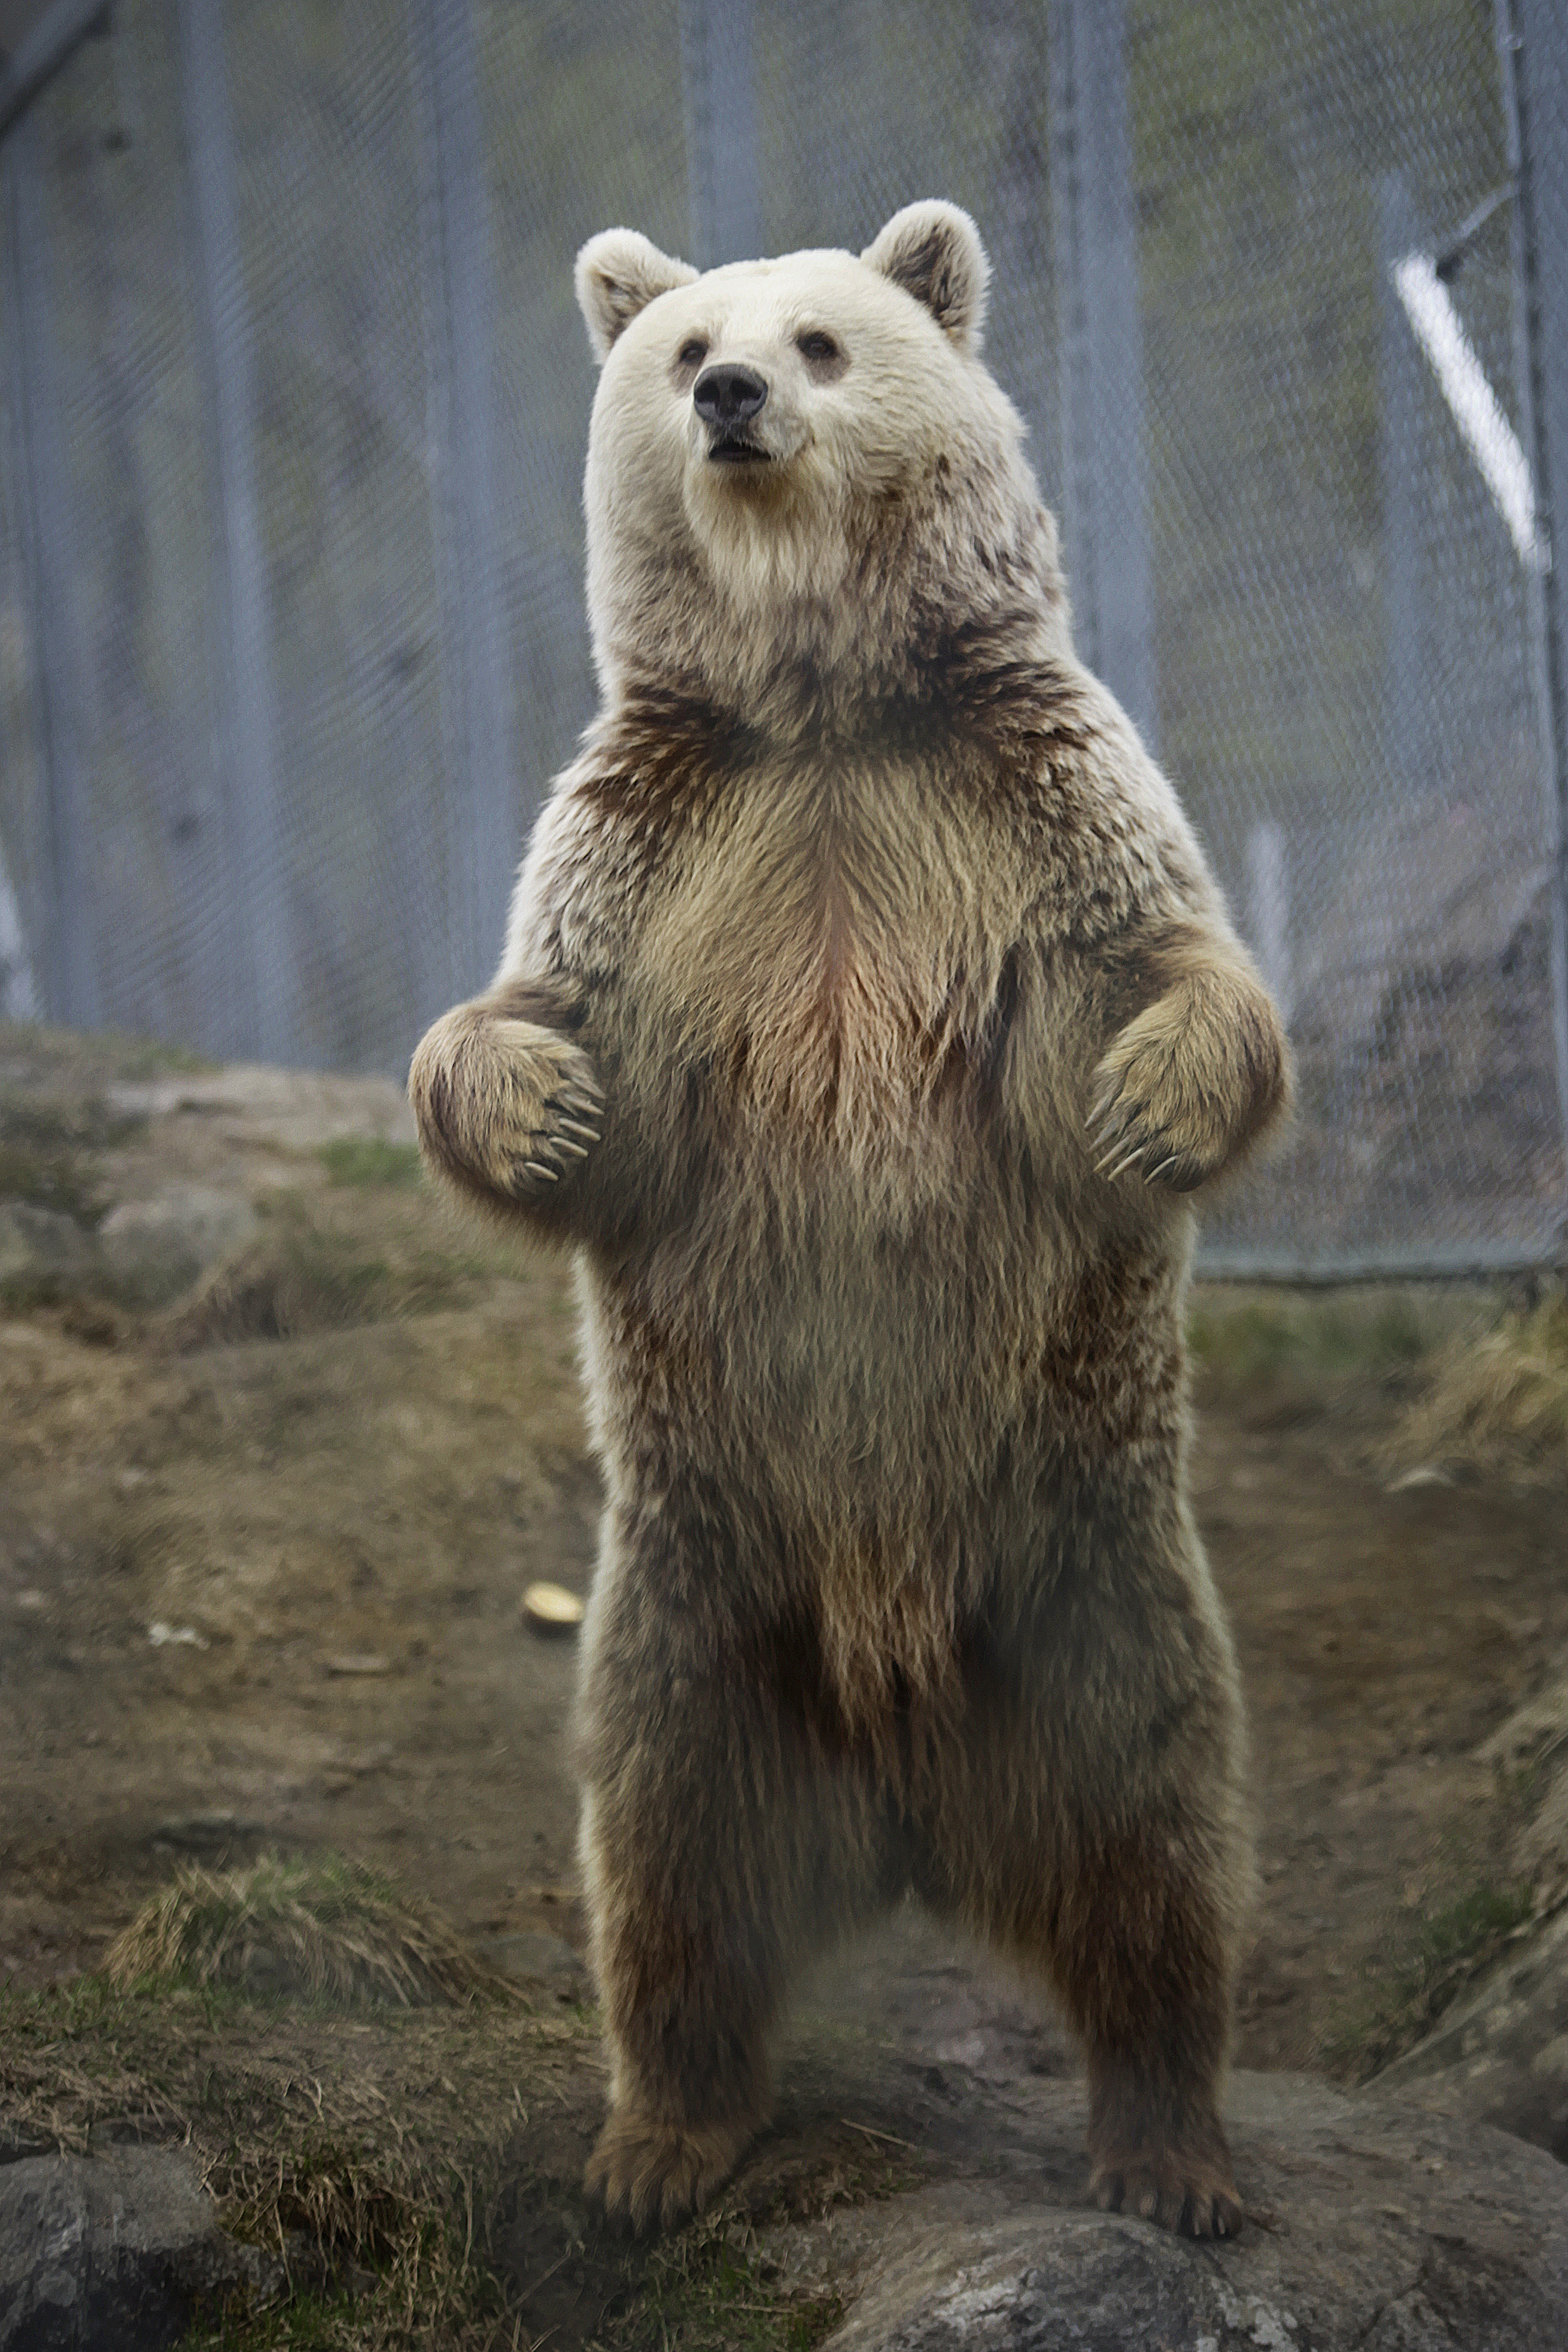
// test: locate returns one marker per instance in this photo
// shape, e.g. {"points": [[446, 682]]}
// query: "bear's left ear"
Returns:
{"points": [[618, 274], [933, 251]]}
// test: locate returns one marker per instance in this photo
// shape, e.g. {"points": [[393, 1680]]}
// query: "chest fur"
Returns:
{"points": [[834, 947]]}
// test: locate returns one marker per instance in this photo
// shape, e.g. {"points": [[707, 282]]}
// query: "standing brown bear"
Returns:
{"points": [[867, 1018]]}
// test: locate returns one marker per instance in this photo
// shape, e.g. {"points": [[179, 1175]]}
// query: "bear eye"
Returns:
{"points": [[819, 349], [693, 351]]}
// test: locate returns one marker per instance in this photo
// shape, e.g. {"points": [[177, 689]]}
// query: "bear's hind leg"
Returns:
{"points": [[1103, 1751], [1142, 1963], [689, 1982], [721, 1845]]}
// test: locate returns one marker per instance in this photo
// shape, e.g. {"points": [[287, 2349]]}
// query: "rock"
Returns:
{"points": [[299, 1109], [153, 1250], [1370, 2224], [539, 1958], [1534, 1742], [210, 1834], [1501, 2055], [1541, 1724], [108, 2252], [1371, 2220], [1540, 1851], [146, 1251], [44, 1245]]}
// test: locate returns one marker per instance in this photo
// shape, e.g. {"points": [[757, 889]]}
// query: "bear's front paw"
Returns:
{"points": [[1153, 1113], [654, 2174], [546, 1112], [504, 1106], [1191, 2193]]}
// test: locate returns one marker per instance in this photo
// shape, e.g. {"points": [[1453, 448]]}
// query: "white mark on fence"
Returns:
{"points": [[1269, 909], [18, 996], [1485, 430]]}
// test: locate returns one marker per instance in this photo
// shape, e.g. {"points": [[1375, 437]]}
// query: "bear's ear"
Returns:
{"points": [[618, 274], [933, 251]]}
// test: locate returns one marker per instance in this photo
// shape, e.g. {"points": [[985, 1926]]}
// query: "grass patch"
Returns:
{"points": [[368, 1160], [137, 1059], [1241, 1338], [326, 1928], [708, 2290], [1453, 1946], [1496, 1401]]}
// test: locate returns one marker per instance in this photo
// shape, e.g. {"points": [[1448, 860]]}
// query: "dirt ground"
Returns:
{"points": [[263, 1537]]}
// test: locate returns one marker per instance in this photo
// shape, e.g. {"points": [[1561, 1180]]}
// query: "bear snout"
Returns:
{"points": [[727, 394]]}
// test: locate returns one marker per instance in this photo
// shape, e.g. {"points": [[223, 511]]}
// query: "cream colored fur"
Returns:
{"points": [[867, 1014]]}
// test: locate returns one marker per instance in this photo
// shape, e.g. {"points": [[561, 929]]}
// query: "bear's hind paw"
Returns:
{"points": [[655, 2174], [1189, 2195]]}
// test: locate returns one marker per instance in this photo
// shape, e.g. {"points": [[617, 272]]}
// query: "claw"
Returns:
{"points": [[1106, 1102], [576, 1129], [562, 1149], [1129, 1142], [537, 1169], [1128, 1160]]}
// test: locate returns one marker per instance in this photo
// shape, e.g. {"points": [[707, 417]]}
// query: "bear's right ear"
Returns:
{"points": [[618, 274]]}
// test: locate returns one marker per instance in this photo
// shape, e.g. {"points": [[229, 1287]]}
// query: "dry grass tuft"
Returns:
{"points": [[329, 1929], [1452, 1948], [367, 2153], [1496, 1401]]}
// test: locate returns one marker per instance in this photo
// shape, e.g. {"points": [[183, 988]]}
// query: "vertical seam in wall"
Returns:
{"points": [[71, 990], [258, 891], [1543, 591], [481, 847]]}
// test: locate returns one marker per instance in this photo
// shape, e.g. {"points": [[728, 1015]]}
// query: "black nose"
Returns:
{"points": [[727, 394]]}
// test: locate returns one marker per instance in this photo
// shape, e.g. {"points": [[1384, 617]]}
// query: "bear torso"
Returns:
{"points": [[868, 1268]]}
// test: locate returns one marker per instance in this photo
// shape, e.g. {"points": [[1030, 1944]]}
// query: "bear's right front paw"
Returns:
{"points": [[654, 2174], [503, 1106], [545, 1114]]}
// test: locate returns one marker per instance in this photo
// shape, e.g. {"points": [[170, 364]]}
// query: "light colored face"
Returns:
{"points": [[755, 415], [775, 383]]}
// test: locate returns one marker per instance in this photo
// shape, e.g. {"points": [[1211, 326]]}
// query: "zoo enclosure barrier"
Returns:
{"points": [[292, 408]]}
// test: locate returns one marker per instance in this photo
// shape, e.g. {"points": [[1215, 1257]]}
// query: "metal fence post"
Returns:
{"points": [[1532, 48], [260, 907], [717, 85], [482, 844], [70, 979], [1104, 471]]}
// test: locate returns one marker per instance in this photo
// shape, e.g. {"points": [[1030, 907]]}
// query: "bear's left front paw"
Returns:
{"points": [[1191, 2194], [1153, 1111], [654, 2174]]}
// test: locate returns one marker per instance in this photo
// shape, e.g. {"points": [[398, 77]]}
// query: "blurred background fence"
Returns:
{"points": [[293, 399]]}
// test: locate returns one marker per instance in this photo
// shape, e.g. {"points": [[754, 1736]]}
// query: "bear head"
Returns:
{"points": [[801, 476]]}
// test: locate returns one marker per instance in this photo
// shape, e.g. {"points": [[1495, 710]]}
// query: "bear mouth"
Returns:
{"points": [[735, 449]]}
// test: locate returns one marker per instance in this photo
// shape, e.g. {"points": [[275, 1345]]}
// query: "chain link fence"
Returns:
{"points": [[293, 399]]}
